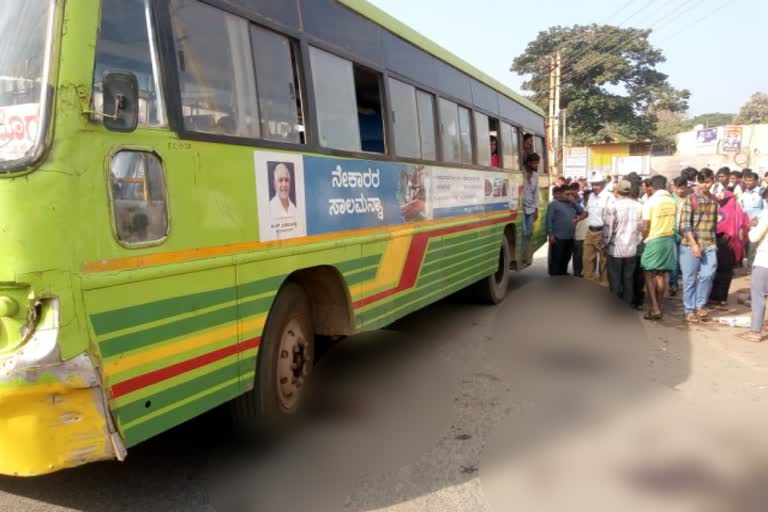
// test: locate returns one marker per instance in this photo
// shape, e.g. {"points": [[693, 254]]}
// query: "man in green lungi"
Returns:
{"points": [[659, 257]]}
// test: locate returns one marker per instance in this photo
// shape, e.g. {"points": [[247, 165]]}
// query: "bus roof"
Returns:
{"points": [[395, 26]]}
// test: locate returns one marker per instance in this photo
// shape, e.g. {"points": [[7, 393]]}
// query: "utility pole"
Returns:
{"points": [[553, 116], [556, 115], [565, 127]]}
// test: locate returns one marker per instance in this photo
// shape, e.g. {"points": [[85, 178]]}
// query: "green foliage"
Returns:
{"points": [[610, 85], [669, 124], [710, 120], [754, 111]]}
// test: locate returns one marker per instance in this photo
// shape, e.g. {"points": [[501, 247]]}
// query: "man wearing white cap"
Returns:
{"points": [[593, 243]]}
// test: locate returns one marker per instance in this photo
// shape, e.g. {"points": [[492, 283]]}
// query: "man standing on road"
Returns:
{"points": [[530, 202], [722, 182], [679, 193], [593, 242], [621, 237], [659, 258], [562, 217], [698, 249], [759, 283], [752, 204]]}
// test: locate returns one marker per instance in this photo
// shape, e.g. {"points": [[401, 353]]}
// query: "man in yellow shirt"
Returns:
{"points": [[659, 257]]}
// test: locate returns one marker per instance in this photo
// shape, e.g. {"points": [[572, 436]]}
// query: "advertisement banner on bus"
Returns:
{"points": [[280, 196], [345, 195], [461, 192], [312, 195]]}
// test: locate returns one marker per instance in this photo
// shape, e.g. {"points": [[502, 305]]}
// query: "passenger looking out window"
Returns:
{"points": [[494, 152]]}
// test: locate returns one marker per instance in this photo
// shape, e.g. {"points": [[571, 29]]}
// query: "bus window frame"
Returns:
{"points": [[49, 82], [114, 151], [166, 47]]}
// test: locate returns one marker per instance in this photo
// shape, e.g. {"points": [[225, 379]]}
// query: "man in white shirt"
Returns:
{"points": [[285, 221], [593, 242], [759, 282], [622, 234]]}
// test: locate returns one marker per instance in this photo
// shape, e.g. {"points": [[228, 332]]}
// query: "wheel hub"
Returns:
{"points": [[294, 364]]}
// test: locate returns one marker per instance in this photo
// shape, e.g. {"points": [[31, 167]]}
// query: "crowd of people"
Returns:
{"points": [[646, 238]]}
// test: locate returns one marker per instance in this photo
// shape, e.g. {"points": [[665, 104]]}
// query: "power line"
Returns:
{"points": [[598, 60], [605, 39], [697, 21]]}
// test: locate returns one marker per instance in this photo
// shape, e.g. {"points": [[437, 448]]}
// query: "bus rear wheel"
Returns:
{"points": [[493, 289], [286, 358]]}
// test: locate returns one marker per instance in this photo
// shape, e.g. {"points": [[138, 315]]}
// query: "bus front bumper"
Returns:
{"points": [[53, 414]]}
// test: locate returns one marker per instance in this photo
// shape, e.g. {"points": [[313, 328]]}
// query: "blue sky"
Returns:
{"points": [[714, 48]]}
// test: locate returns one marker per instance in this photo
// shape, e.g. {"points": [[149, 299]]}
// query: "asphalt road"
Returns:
{"points": [[555, 400]]}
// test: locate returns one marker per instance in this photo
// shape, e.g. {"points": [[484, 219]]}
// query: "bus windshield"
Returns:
{"points": [[26, 27]]}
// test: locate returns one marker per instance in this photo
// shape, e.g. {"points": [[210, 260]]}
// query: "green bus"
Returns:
{"points": [[193, 191]]}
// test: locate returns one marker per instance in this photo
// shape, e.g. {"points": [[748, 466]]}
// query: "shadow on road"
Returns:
{"points": [[404, 412]]}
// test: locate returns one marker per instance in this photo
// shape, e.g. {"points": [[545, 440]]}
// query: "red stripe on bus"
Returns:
{"points": [[408, 278], [148, 379], [415, 258]]}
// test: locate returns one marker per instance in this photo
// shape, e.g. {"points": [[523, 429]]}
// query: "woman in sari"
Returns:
{"points": [[732, 231]]}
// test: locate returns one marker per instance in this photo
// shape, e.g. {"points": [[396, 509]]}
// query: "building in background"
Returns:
{"points": [[737, 147], [609, 159]]}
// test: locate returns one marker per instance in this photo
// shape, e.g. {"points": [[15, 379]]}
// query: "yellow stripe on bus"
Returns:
{"points": [[199, 253], [392, 263], [181, 346]]}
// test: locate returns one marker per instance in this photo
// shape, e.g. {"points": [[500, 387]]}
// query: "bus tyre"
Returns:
{"points": [[493, 288], [285, 361]]}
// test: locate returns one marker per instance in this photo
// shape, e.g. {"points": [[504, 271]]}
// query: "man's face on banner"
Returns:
{"points": [[283, 182]]}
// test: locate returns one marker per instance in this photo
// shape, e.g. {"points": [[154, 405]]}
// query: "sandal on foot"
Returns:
{"points": [[692, 318], [750, 336]]}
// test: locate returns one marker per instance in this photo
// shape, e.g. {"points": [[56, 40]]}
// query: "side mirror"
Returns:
{"points": [[121, 101]]}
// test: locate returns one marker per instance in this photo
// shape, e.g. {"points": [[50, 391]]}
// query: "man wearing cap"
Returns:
{"points": [[593, 242], [622, 234]]}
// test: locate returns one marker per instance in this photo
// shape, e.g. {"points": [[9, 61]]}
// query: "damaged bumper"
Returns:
{"points": [[53, 413]]}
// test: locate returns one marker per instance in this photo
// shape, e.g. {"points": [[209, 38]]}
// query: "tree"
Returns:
{"points": [[610, 85], [669, 124], [712, 120], [754, 111]]}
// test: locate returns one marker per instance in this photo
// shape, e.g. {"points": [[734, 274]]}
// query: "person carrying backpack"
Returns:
{"points": [[698, 249]]}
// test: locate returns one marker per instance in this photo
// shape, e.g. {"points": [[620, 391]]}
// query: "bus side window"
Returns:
{"points": [[538, 147], [483, 140], [510, 147], [124, 43], [413, 121], [216, 74], [279, 90], [349, 106], [455, 132], [138, 197]]}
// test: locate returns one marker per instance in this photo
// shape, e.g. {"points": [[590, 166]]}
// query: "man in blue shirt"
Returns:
{"points": [[752, 203], [562, 217]]}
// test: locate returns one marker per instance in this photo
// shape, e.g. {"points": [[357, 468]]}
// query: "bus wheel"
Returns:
{"points": [[493, 288], [286, 358]]}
